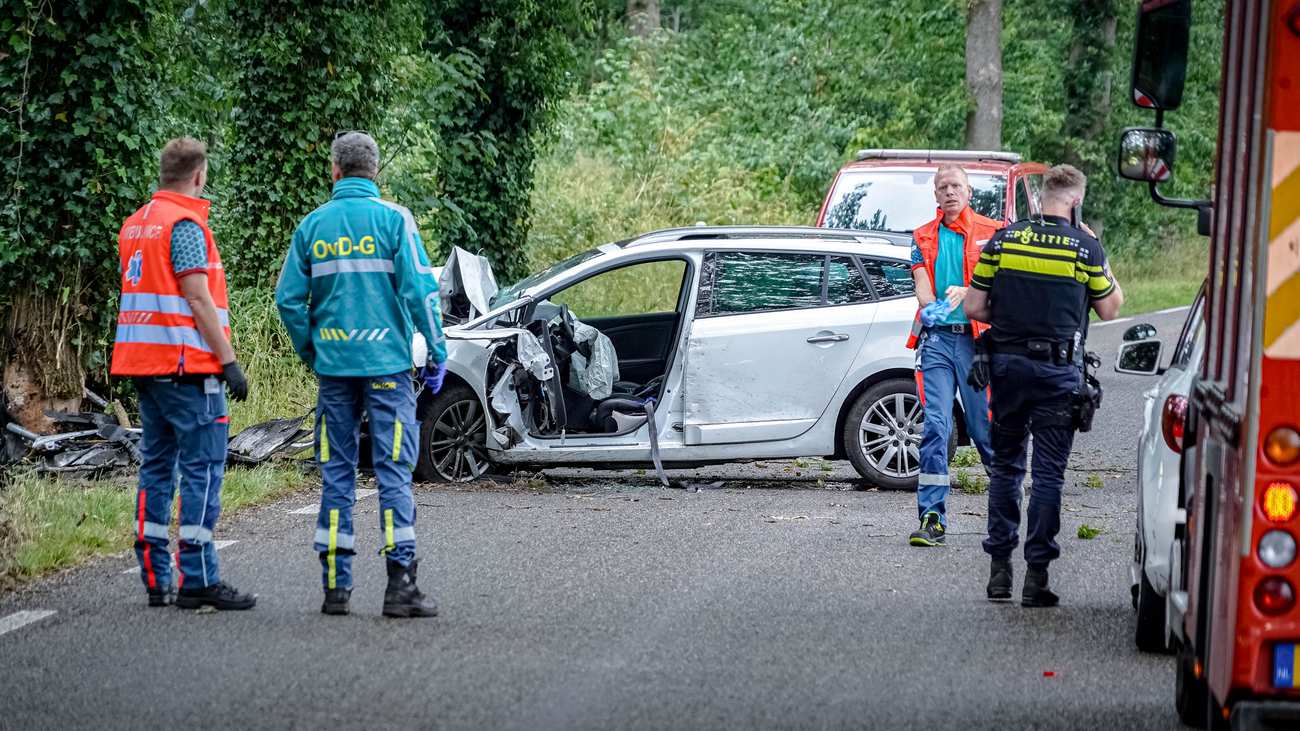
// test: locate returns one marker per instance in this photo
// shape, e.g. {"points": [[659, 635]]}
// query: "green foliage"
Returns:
{"points": [[972, 483], [1087, 532], [83, 85], [303, 71], [507, 62]]}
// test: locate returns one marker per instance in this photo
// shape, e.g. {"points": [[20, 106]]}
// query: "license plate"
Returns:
{"points": [[1286, 670]]}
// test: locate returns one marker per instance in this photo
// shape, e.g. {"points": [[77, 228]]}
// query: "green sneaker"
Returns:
{"points": [[931, 532]]}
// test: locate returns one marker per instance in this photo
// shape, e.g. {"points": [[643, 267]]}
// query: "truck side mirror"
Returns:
{"points": [[1147, 154], [1141, 358], [1140, 331], [1160, 54]]}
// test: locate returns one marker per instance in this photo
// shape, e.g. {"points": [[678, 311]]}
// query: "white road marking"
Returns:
{"points": [[1111, 322], [1168, 311], [314, 509], [21, 619], [218, 545], [1173, 309]]}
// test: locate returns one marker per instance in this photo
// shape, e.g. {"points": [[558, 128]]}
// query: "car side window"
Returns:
{"points": [[844, 282], [1193, 334], [739, 282], [1028, 189], [635, 289], [889, 279]]}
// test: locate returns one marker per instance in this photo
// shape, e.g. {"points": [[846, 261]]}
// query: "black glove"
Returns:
{"points": [[979, 374], [235, 380]]}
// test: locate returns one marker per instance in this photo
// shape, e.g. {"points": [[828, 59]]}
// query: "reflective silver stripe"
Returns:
{"points": [[929, 479], [351, 266], [154, 530], [404, 535], [343, 540], [167, 304], [411, 231], [431, 312], [195, 534], [162, 335]]}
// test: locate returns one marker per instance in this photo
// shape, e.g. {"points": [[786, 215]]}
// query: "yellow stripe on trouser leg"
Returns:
{"points": [[397, 441], [388, 530], [324, 442], [333, 546]]}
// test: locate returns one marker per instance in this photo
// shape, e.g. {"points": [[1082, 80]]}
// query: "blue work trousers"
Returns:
{"points": [[183, 440], [389, 403], [943, 360], [1030, 397]]}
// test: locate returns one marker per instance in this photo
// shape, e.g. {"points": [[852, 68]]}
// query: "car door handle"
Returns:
{"points": [[831, 338]]}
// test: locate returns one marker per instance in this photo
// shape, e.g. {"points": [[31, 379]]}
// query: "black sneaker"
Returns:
{"points": [[403, 598], [336, 601], [161, 597], [1036, 593], [931, 532], [221, 595], [999, 579]]}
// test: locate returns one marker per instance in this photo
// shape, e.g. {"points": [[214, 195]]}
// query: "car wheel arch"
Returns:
{"points": [[451, 380]]}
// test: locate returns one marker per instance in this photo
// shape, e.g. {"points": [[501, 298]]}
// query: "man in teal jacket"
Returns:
{"points": [[355, 286]]}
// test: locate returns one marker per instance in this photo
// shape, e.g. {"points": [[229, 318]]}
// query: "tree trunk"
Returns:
{"points": [[1088, 80], [984, 74], [43, 369], [642, 17]]}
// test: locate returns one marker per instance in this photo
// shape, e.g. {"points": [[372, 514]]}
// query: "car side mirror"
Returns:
{"points": [[1140, 331], [1147, 154], [1160, 54], [1141, 358]]}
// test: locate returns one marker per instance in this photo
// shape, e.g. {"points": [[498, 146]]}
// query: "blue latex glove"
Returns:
{"points": [[432, 376], [934, 312]]}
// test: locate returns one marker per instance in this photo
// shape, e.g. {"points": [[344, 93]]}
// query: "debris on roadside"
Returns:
{"points": [[261, 442]]}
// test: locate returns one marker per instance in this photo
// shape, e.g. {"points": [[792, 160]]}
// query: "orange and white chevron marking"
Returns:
{"points": [[1282, 311]]}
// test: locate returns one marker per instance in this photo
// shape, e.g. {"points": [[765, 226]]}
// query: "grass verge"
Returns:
{"points": [[1169, 278], [47, 524]]}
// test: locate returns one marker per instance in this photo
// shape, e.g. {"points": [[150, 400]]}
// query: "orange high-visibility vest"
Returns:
{"points": [[977, 230], [156, 334]]}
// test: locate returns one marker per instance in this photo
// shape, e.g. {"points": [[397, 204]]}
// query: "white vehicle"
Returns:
{"points": [[1159, 463], [686, 347]]}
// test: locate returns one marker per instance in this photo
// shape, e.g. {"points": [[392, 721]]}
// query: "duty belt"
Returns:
{"points": [[1057, 351], [960, 328]]}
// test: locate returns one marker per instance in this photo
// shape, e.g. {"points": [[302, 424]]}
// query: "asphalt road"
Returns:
{"points": [[581, 599]]}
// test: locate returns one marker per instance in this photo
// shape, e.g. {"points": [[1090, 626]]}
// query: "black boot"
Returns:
{"points": [[1036, 593], [161, 597], [220, 595], [1000, 579], [402, 598], [336, 601]]}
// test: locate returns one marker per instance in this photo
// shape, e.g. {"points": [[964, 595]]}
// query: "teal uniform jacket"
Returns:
{"points": [[356, 284]]}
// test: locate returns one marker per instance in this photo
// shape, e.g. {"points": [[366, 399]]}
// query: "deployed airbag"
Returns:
{"points": [[594, 376]]}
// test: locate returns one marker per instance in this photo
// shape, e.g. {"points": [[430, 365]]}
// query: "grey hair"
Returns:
{"points": [[356, 154]]}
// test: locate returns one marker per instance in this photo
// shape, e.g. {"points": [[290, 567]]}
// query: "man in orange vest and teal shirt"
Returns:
{"points": [[944, 254], [173, 340]]}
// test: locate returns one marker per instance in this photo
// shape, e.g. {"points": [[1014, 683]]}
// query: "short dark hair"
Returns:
{"points": [[181, 158]]}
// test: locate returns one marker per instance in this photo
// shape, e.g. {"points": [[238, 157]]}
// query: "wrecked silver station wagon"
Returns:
{"points": [[680, 348]]}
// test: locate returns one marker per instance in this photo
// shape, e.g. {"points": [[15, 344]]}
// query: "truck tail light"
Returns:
{"points": [[1282, 446], [1173, 421], [1274, 595], [1276, 549], [1279, 502]]}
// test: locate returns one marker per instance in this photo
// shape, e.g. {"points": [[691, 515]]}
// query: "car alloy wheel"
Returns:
{"points": [[889, 435], [457, 446]]}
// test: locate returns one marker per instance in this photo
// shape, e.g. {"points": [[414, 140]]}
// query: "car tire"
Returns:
{"points": [[1150, 632], [889, 410], [453, 438]]}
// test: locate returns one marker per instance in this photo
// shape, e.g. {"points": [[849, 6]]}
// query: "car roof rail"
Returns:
{"points": [[876, 153], [688, 233]]}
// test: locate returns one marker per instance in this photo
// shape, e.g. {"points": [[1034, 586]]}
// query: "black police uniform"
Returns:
{"points": [[1040, 277]]}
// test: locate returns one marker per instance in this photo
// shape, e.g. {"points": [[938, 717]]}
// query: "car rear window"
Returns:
{"points": [[901, 200], [889, 278]]}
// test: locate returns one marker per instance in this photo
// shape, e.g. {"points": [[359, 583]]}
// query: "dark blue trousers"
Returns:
{"points": [[1029, 398], [182, 441]]}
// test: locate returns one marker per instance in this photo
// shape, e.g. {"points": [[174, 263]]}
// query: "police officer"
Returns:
{"points": [[1034, 284], [355, 280], [173, 338]]}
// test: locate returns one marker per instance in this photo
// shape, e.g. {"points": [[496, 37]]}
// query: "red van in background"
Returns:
{"points": [[893, 190]]}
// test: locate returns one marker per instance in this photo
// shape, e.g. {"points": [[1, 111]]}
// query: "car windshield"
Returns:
{"points": [[901, 200], [512, 293]]}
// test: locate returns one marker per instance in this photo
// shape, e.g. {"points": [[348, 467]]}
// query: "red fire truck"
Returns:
{"points": [[1232, 602]]}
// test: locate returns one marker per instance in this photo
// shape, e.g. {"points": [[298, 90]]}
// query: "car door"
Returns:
{"points": [[773, 337]]}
